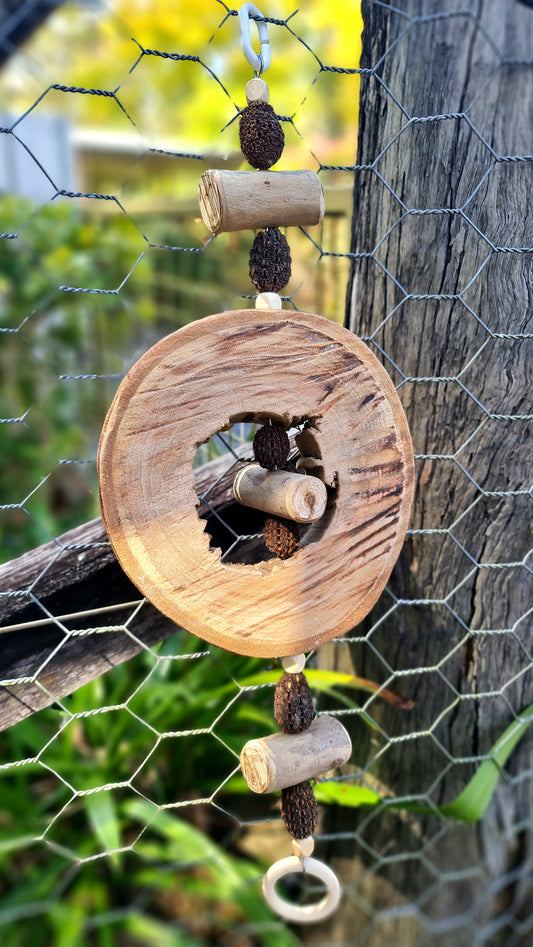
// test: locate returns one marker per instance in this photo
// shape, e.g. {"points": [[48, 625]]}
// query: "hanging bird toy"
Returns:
{"points": [[352, 488]]}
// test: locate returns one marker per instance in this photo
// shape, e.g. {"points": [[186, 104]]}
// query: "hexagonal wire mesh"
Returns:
{"points": [[124, 818]]}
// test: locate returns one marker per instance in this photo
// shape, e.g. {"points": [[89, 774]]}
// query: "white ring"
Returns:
{"points": [[308, 913]]}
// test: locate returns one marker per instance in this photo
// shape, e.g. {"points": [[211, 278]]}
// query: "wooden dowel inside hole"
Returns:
{"points": [[282, 493], [283, 759], [250, 200]]}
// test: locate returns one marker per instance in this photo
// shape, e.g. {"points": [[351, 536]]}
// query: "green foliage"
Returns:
{"points": [[164, 98], [49, 333], [469, 806], [92, 846], [98, 832], [97, 827], [63, 353]]}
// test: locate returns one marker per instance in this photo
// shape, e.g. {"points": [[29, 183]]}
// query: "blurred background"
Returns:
{"points": [[110, 112], [98, 182]]}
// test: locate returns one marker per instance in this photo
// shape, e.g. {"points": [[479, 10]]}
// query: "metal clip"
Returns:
{"points": [[259, 61]]}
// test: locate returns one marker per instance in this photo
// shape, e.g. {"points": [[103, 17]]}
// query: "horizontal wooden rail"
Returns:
{"points": [[68, 613]]}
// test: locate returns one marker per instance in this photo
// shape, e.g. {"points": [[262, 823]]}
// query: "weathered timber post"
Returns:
{"points": [[441, 286]]}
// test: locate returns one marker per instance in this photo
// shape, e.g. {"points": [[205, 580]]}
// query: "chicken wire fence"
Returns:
{"points": [[123, 816]]}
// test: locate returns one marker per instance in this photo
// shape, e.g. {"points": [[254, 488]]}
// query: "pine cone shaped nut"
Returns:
{"points": [[299, 810], [282, 536], [261, 135], [293, 703], [271, 446], [270, 261]]}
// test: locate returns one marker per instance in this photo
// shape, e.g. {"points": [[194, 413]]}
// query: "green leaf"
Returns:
{"points": [[149, 930], [103, 816], [345, 794], [68, 922], [328, 681], [13, 842], [188, 844], [224, 878], [469, 806]]}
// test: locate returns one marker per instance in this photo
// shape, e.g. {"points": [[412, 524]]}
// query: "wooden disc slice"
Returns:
{"points": [[251, 365]]}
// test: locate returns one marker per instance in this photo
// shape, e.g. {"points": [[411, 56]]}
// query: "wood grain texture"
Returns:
{"points": [[292, 495], [445, 65], [282, 759], [65, 606], [249, 200], [50, 651], [245, 365]]}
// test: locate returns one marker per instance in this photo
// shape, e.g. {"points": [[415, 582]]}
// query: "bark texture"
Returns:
{"points": [[441, 288], [68, 613]]}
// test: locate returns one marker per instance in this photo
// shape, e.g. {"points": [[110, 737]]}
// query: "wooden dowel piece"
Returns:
{"points": [[250, 200], [281, 493], [284, 759]]}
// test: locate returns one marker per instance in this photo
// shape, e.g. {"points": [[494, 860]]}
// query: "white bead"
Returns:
{"points": [[256, 91], [303, 847], [293, 664], [268, 301]]}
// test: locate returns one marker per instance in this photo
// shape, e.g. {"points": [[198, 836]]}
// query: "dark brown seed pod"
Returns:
{"points": [[271, 446], [293, 703], [299, 810], [282, 536], [261, 135], [270, 261]]}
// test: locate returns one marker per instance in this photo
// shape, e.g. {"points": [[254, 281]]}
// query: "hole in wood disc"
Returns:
{"points": [[300, 888], [235, 529]]}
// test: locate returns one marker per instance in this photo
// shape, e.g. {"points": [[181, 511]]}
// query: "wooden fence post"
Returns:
{"points": [[441, 286]]}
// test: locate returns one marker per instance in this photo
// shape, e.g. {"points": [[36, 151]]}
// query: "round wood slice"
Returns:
{"points": [[251, 365]]}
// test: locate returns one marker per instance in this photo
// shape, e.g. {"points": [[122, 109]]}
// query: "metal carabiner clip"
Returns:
{"points": [[259, 61]]}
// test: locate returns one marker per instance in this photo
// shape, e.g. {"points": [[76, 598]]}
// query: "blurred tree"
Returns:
{"points": [[98, 46]]}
